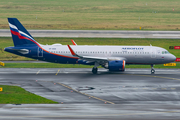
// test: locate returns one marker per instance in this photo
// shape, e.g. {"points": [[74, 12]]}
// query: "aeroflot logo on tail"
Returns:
{"points": [[132, 48], [20, 34]]}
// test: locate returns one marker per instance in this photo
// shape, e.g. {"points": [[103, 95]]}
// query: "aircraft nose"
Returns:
{"points": [[172, 58]]}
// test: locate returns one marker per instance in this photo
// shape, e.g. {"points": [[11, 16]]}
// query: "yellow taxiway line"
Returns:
{"points": [[38, 72], [57, 71]]}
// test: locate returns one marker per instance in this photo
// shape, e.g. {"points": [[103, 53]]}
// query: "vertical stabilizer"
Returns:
{"points": [[20, 35]]}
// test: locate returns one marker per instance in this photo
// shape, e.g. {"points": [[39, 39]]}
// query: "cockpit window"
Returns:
{"points": [[165, 52]]}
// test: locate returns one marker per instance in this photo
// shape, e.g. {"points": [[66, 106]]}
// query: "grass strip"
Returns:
{"points": [[17, 95], [55, 65], [93, 14]]}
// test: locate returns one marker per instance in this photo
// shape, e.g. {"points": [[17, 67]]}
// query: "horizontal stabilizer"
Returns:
{"points": [[22, 51]]}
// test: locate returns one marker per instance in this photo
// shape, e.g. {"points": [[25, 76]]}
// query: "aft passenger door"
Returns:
{"points": [[40, 52]]}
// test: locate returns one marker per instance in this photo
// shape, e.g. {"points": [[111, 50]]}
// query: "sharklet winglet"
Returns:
{"points": [[73, 42]]}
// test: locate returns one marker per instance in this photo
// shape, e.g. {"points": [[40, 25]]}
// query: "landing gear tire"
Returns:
{"points": [[94, 70], [152, 71]]}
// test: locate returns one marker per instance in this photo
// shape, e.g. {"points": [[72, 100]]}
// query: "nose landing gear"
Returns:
{"points": [[152, 69]]}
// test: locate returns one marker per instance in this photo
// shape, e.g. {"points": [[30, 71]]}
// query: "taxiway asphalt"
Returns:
{"points": [[99, 33], [133, 94]]}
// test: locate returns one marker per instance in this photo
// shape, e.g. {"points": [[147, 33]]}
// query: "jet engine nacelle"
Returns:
{"points": [[116, 65]]}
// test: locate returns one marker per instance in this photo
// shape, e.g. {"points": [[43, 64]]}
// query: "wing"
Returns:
{"points": [[100, 60]]}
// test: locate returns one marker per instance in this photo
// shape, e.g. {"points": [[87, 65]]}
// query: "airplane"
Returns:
{"points": [[113, 58]]}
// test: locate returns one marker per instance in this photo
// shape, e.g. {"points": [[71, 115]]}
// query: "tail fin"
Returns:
{"points": [[20, 35]]}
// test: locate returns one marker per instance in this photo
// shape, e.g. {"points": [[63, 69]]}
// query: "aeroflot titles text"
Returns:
{"points": [[133, 48]]}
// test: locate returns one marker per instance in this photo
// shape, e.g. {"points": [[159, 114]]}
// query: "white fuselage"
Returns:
{"points": [[131, 54]]}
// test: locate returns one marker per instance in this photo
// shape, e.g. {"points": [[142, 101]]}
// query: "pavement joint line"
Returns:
{"points": [[158, 77], [86, 94], [38, 72], [153, 88], [95, 115], [57, 71]]}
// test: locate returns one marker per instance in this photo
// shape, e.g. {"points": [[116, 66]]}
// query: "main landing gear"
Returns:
{"points": [[152, 69], [95, 69]]}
